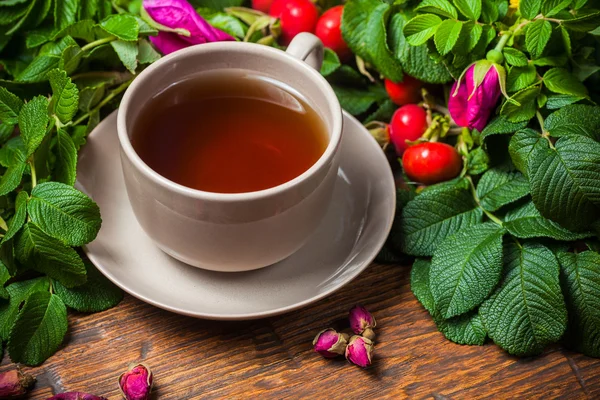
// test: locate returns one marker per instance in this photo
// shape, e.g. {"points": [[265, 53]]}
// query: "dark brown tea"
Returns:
{"points": [[229, 132]]}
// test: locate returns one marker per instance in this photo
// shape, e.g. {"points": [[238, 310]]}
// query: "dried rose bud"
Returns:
{"points": [[136, 384], [362, 322], [76, 396], [330, 343], [14, 384], [359, 351]]}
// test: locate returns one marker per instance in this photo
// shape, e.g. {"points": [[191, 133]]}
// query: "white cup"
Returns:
{"points": [[233, 231]]}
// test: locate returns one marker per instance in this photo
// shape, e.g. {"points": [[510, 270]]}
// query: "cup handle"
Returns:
{"points": [[308, 48]]}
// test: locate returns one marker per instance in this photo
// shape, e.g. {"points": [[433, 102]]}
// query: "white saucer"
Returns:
{"points": [[352, 233]]}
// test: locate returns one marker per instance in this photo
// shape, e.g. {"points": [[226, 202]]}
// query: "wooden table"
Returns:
{"points": [[273, 358]]}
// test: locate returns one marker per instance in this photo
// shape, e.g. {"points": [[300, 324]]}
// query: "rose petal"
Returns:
{"points": [[167, 42]]}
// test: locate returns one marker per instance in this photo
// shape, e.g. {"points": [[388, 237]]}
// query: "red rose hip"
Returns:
{"points": [[328, 30], [409, 122], [431, 162], [406, 92], [295, 16]]}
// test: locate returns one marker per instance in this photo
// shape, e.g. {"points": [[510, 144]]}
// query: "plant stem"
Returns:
{"points": [[33, 174], [503, 40], [476, 198], [540, 120], [104, 101], [98, 42]]}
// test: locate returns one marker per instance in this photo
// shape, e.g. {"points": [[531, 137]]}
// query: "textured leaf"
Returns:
{"points": [[39, 329], [19, 292], [146, 53], [97, 294], [415, 60], [552, 7], [526, 222], [576, 119], [580, 279], [33, 120], [515, 57], [530, 8], [497, 188], [564, 180], [83, 29], [537, 36], [521, 146], [559, 80], [357, 101], [65, 169], [364, 30], [223, 21], [90, 96], [49, 256], [422, 27], [520, 78], [470, 36], [446, 36], [331, 62], [12, 178], [435, 214], [127, 52], [466, 268], [526, 108], [123, 26], [383, 113], [64, 212], [10, 106], [65, 13], [469, 8], [527, 312], [37, 70], [65, 95], [440, 7], [464, 329], [583, 23], [17, 221], [501, 126]]}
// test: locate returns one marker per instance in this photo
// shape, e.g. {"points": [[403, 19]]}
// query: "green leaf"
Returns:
{"points": [[65, 13], [83, 29], [65, 95], [520, 78], [127, 52], [415, 60], [559, 80], [564, 180], [520, 147], [224, 22], [64, 212], [146, 53], [364, 30], [561, 100], [97, 294], [440, 7], [578, 119], [537, 36], [447, 35], [39, 329], [90, 96], [49, 256], [357, 101], [580, 279], [552, 7], [12, 178], [489, 11], [470, 35], [497, 188], [37, 70], [501, 126], [583, 22], [33, 120], [331, 62], [515, 57], [383, 113], [525, 108], [550, 61], [526, 222], [123, 26], [10, 106], [65, 169], [469, 8], [435, 214], [530, 8], [464, 329], [17, 221], [527, 312], [477, 161], [19, 292], [466, 268], [422, 27]]}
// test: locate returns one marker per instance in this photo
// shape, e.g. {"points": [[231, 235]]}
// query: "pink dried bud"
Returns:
{"points": [[359, 351], [76, 396], [136, 384], [473, 100], [14, 384], [180, 15], [330, 343], [362, 322]]}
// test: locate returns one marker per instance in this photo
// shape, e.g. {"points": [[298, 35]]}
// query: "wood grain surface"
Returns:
{"points": [[273, 358]]}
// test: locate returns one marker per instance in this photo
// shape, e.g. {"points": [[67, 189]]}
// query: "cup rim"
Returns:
{"points": [[146, 74]]}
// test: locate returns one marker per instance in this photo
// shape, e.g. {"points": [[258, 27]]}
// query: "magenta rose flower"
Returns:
{"points": [[136, 384], [359, 351], [362, 322], [473, 102], [330, 343], [179, 14]]}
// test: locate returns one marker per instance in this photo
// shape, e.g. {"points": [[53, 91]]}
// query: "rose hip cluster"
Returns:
{"points": [[357, 349]]}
